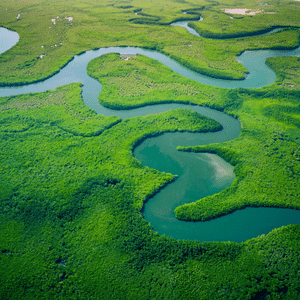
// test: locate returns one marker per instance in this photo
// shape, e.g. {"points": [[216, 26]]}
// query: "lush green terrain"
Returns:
{"points": [[73, 197], [140, 81], [71, 192], [266, 157], [218, 24], [272, 112], [102, 24], [287, 70]]}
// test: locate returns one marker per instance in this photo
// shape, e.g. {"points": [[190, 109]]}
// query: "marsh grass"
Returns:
{"points": [[105, 24]]}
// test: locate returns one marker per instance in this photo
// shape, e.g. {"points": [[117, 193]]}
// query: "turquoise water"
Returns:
{"points": [[199, 175], [184, 24], [259, 74], [7, 39]]}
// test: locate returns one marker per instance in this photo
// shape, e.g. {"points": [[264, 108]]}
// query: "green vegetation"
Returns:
{"points": [[71, 192], [72, 227], [63, 109], [140, 80], [71, 218], [272, 14], [57, 120], [287, 70], [269, 139], [215, 56], [265, 158], [103, 24]]}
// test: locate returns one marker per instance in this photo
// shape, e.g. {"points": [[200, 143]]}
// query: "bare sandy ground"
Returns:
{"points": [[245, 11]]}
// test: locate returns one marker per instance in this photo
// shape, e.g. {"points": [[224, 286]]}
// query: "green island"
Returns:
{"points": [[72, 193]]}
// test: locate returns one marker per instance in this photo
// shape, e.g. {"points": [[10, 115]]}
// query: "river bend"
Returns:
{"points": [[199, 174]]}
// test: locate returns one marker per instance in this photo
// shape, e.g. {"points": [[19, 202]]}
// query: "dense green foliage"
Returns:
{"points": [[72, 227], [63, 109], [287, 70], [73, 196], [29, 122], [71, 191], [270, 140]]}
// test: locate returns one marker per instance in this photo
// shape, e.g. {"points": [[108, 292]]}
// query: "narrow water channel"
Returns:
{"points": [[7, 39], [185, 24], [199, 175]]}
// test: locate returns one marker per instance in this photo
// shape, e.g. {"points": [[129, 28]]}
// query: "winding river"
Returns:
{"points": [[185, 24], [200, 174]]}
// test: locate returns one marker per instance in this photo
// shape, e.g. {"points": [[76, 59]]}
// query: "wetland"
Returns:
{"points": [[100, 154], [200, 175]]}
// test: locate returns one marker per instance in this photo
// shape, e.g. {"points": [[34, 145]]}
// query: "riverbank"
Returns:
{"points": [[31, 68], [71, 205]]}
